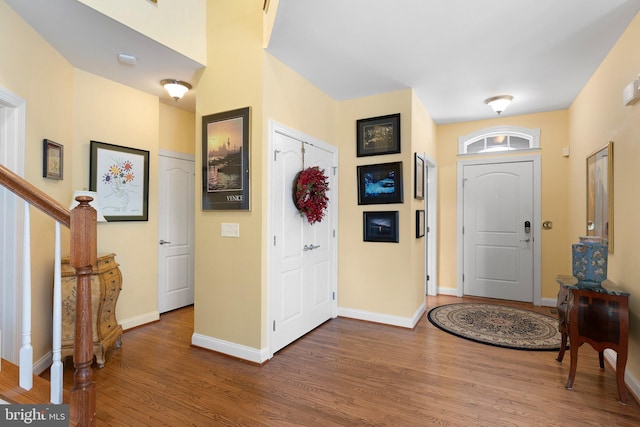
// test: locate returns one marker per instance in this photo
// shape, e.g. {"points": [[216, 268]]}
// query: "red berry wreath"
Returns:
{"points": [[310, 193]]}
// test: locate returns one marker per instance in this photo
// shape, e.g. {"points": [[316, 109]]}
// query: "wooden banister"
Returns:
{"points": [[83, 253], [34, 196]]}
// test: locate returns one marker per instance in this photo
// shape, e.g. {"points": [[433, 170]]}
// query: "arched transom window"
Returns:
{"points": [[500, 138]]}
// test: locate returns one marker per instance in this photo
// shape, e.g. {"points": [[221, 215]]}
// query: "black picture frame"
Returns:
{"points": [[120, 176], [378, 135], [420, 223], [380, 226], [52, 159], [225, 160], [418, 177], [380, 183]]}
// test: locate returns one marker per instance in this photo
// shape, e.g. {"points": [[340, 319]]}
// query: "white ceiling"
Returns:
{"points": [[453, 53]]}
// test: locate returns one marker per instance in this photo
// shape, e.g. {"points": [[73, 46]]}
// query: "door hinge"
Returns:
{"points": [[334, 170], [274, 240], [334, 296], [275, 155], [463, 277], [428, 278], [334, 233], [462, 230], [428, 229], [274, 326]]}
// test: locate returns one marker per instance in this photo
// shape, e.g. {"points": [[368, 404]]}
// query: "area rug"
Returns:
{"points": [[498, 325]]}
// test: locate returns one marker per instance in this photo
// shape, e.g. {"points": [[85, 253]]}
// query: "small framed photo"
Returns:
{"points": [[120, 176], [380, 183], [52, 159], [381, 226], [418, 177], [378, 135], [420, 223], [225, 160]]}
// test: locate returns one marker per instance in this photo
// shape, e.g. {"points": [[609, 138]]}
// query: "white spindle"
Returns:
{"points": [[26, 351], [57, 367]]}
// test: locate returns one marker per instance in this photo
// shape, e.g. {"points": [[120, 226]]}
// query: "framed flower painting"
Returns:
{"points": [[120, 176]]}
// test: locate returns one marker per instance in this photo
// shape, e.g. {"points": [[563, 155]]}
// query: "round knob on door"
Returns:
{"points": [[164, 242]]}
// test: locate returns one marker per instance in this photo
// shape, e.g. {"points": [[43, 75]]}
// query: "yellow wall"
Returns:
{"points": [[556, 249], [373, 277], [177, 130], [598, 116], [229, 272], [43, 78], [109, 112]]}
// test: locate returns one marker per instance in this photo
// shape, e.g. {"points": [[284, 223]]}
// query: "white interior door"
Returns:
{"points": [[302, 286], [498, 247], [176, 188]]}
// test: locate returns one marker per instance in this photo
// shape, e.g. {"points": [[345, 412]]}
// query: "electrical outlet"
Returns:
{"points": [[228, 229]]}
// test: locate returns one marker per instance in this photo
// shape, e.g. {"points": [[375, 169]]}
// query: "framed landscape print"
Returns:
{"points": [[120, 176], [381, 226], [225, 160], [52, 159], [378, 135], [380, 183]]}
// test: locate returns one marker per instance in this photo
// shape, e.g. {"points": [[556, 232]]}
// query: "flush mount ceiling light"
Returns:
{"points": [[176, 88], [499, 103]]}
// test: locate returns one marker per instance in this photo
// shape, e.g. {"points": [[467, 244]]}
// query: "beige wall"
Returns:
{"points": [[374, 277], [554, 135], [598, 116], [177, 129], [109, 112], [230, 273]]}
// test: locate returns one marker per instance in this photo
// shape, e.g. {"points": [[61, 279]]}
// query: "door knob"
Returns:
{"points": [[310, 247], [164, 242]]}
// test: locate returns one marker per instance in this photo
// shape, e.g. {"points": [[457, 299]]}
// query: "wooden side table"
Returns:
{"points": [[598, 316], [106, 283]]}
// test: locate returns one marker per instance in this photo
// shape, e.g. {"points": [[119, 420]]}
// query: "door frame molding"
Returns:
{"points": [[535, 159], [431, 243], [12, 155], [275, 127]]}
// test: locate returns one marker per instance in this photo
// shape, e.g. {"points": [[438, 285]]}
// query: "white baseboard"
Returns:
{"points": [[232, 349], [43, 363], [548, 302], [632, 382], [447, 291], [142, 319], [387, 319]]}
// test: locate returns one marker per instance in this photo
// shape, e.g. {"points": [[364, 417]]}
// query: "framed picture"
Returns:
{"points": [[378, 135], [420, 223], [418, 177], [52, 159], [381, 226], [225, 160], [120, 176], [380, 183]]}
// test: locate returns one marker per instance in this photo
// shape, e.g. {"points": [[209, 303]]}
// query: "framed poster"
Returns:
{"points": [[418, 177], [120, 176], [52, 159], [225, 160], [380, 183], [378, 135], [381, 226], [420, 223]]}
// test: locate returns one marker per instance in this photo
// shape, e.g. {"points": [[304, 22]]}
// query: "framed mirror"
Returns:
{"points": [[600, 194]]}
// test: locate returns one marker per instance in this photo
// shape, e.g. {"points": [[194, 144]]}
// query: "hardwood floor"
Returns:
{"points": [[350, 373]]}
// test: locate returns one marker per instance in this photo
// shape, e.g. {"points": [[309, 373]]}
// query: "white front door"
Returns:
{"points": [[498, 230], [302, 285], [175, 230]]}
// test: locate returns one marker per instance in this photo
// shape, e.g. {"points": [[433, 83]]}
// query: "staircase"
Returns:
{"points": [[17, 383]]}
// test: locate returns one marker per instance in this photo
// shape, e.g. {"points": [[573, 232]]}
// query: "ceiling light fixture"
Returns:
{"points": [[176, 88], [499, 103]]}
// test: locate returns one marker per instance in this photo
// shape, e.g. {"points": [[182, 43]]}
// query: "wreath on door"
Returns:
{"points": [[310, 193]]}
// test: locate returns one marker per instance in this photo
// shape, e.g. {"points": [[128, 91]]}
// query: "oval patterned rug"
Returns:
{"points": [[498, 325]]}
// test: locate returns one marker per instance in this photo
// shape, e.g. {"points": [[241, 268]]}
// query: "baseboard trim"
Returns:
{"points": [[43, 363], [447, 291], [632, 382], [387, 319], [142, 319], [231, 349], [548, 302]]}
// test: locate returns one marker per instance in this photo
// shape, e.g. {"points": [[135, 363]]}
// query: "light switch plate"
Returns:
{"points": [[230, 229]]}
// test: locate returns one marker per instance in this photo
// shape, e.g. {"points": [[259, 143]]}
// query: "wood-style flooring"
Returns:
{"points": [[350, 373]]}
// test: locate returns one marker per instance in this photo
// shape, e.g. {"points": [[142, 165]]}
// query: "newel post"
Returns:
{"points": [[82, 257]]}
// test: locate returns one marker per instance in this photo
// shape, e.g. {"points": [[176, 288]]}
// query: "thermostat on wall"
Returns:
{"points": [[630, 93]]}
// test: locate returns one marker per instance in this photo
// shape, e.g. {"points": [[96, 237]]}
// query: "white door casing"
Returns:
{"points": [[176, 187], [302, 286], [495, 198], [12, 149]]}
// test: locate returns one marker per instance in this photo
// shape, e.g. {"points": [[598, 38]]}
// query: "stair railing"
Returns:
{"points": [[83, 249]]}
